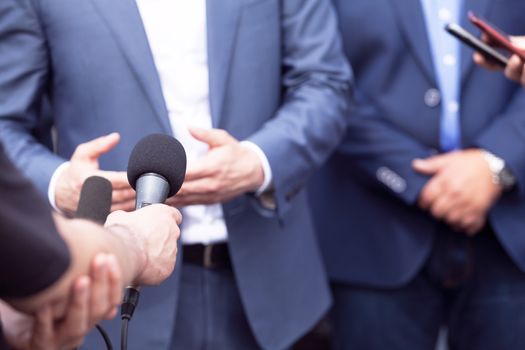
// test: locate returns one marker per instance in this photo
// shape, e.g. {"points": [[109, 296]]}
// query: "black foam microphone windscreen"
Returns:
{"points": [[158, 154], [95, 199]]}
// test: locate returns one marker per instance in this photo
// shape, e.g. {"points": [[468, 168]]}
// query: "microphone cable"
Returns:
{"points": [[131, 299], [105, 336], [124, 334]]}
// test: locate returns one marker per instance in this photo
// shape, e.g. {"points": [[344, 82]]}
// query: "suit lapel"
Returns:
{"points": [[480, 8], [412, 22], [123, 19], [223, 22]]}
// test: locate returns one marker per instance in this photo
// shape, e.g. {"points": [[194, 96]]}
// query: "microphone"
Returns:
{"points": [[95, 199], [94, 204], [156, 170]]}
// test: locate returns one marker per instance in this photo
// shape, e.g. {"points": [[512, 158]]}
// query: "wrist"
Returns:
{"points": [[55, 183], [134, 250], [500, 174], [262, 169]]}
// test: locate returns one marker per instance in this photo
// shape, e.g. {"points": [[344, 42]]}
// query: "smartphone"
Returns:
{"points": [[498, 37], [471, 40]]}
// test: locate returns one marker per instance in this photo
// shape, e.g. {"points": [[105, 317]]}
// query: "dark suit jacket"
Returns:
{"points": [[371, 231], [32, 254]]}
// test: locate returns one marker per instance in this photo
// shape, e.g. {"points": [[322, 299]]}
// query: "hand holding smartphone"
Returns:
{"points": [[497, 37], [474, 42]]}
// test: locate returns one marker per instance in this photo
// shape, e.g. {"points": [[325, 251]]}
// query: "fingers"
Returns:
{"points": [[176, 214], [518, 41], [482, 61], [100, 303], [201, 191], [43, 332], [441, 207], [123, 195], [93, 149], [431, 165], [514, 69], [123, 206], [212, 137], [429, 193], [200, 169], [475, 226], [71, 331], [118, 179], [115, 286]]}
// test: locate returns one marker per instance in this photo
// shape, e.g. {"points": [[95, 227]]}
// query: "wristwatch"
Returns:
{"points": [[501, 174]]}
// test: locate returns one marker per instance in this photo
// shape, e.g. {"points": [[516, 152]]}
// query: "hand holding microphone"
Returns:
{"points": [[156, 170], [154, 230]]}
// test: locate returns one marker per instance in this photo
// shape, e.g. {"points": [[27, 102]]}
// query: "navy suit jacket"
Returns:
{"points": [[277, 78], [370, 229]]}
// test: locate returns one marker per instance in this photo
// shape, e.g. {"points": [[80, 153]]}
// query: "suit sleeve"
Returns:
{"points": [[505, 137], [24, 65], [32, 254], [381, 153], [313, 116]]}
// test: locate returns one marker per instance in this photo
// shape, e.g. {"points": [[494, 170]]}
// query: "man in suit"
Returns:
{"points": [[268, 72], [419, 212]]}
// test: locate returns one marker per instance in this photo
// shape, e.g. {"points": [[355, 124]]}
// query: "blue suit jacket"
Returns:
{"points": [[277, 77], [373, 233]]}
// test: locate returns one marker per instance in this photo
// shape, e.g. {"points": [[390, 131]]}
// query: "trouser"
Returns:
{"points": [[210, 314], [468, 284]]}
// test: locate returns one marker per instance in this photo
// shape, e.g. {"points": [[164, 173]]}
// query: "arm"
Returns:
{"points": [[377, 148], [44, 268], [314, 114], [511, 123], [508, 126], [304, 130], [144, 244], [24, 67]]}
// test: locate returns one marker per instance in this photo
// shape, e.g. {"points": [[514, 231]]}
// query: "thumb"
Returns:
{"points": [[212, 137], [431, 165], [92, 150]]}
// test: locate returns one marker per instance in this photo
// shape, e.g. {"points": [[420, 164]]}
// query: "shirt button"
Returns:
{"points": [[449, 60], [453, 107], [444, 14], [432, 97]]}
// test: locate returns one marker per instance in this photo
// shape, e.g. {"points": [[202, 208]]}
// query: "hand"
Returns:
{"points": [[226, 171], [461, 190], [83, 164], [92, 299], [514, 69], [152, 232]]}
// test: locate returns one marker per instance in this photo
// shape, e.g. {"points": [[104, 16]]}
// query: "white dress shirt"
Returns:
{"points": [[177, 35]]}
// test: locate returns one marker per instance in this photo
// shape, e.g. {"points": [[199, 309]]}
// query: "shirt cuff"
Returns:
{"points": [[53, 183], [265, 165]]}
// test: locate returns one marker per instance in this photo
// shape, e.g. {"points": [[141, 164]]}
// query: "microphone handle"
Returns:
{"points": [[151, 189]]}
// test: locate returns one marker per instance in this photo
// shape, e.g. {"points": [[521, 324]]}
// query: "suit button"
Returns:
{"points": [[432, 97]]}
